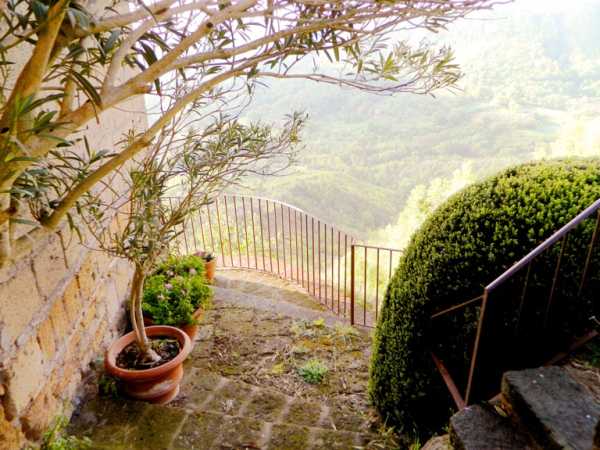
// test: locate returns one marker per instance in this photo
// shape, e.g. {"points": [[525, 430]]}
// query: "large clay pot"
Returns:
{"points": [[159, 384]]}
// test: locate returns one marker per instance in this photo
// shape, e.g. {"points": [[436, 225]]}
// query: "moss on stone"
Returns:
{"points": [[230, 398], [266, 406], [303, 412], [199, 431], [156, 428], [289, 437]]}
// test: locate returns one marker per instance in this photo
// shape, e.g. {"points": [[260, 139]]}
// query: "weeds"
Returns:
{"points": [[55, 439], [313, 371], [108, 386], [346, 333]]}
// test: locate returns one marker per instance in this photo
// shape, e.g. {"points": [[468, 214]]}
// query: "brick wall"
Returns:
{"points": [[59, 309]]}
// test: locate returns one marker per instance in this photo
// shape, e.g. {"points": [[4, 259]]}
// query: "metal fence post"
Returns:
{"points": [[352, 263]]}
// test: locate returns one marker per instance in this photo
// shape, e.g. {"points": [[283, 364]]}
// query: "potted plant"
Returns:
{"points": [[177, 294], [148, 360], [183, 169], [210, 264]]}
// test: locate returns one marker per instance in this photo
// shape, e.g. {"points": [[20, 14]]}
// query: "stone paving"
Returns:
{"points": [[242, 389]]}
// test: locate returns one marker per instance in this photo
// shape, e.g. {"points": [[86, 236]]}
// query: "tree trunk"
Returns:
{"points": [[137, 316], [5, 244]]}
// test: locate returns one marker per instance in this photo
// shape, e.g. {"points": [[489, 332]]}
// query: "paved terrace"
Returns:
{"points": [[242, 389]]}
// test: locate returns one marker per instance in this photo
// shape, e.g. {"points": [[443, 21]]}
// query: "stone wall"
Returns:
{"points": [[59, 309]]}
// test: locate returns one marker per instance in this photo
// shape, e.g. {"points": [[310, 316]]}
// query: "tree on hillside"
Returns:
{"points": [[212, 47]]}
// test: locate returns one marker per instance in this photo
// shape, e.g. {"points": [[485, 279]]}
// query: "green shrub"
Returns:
{"points": [[175, 291], [465, 244], [313, 371]]}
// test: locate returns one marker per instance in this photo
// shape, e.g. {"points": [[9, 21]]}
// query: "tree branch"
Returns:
{"points": [[84, 186]]}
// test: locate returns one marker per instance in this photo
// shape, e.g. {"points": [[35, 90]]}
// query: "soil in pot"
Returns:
{"points": [[132, 358]]}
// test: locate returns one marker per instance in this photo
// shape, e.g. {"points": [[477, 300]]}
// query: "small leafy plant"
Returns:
{"points": [[186, 266], [108, 386], [313, 371], [175, 291], [55, 438]]}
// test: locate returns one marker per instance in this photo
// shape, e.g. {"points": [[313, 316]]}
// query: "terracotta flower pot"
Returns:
{"points": [[210, 267], [191, 330], [159, 384]]}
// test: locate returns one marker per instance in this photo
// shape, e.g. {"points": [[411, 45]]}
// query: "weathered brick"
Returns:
{"points": [[12, 438], [73, 250], [69, 375], [45, 338], [50, 267], [87, 278], [72, 351], [24, 377], [60, 321], [72, 300], [90, 315], [100, 336], [19, 301], [40, 414]]}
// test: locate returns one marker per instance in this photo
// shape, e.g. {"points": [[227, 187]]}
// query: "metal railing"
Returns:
{"points": [[522, 305], [517, 319], [269, 236]]}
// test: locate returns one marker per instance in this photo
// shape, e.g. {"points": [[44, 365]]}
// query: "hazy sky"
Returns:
{"points": [[550, 5]]}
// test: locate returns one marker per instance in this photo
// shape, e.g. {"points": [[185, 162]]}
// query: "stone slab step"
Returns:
{"points": [[232, 296], [481, 427], [203, 390], [127, 425], [556, 410]]}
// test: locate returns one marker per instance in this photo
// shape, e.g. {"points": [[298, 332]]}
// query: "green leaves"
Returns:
{"points": [[464, 245], [40, 10], [313, 371], [175, 291], [90, 91], [109, 44]]}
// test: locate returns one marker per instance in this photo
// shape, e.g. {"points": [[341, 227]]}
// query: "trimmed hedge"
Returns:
{"points": [[465, 244]]}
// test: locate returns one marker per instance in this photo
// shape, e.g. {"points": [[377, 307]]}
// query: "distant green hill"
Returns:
{"points": [[532, 90], [354, 201]]}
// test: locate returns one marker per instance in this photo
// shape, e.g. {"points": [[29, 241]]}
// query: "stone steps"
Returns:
{"points": [[556, 410], [120, 425], [216, 409], [481, 427], [206, 391], [547, 408], [241, 293]]}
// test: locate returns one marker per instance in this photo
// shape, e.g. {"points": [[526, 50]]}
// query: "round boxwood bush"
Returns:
{"points": [[465, 244], [175, 290]]}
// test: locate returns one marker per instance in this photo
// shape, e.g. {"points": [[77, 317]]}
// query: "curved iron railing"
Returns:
{"points": [[256, 233], [349, 277], [536, 323]]}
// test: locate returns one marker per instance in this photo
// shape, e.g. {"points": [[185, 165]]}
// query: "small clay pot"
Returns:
{"points": [[159, 384], [209, 266]]}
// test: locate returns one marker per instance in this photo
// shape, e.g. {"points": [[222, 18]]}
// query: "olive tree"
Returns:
{"points": [[189, 162], [128, 48]]}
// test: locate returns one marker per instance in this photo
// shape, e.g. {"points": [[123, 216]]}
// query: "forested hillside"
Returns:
{"points": [[376, 165]]}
